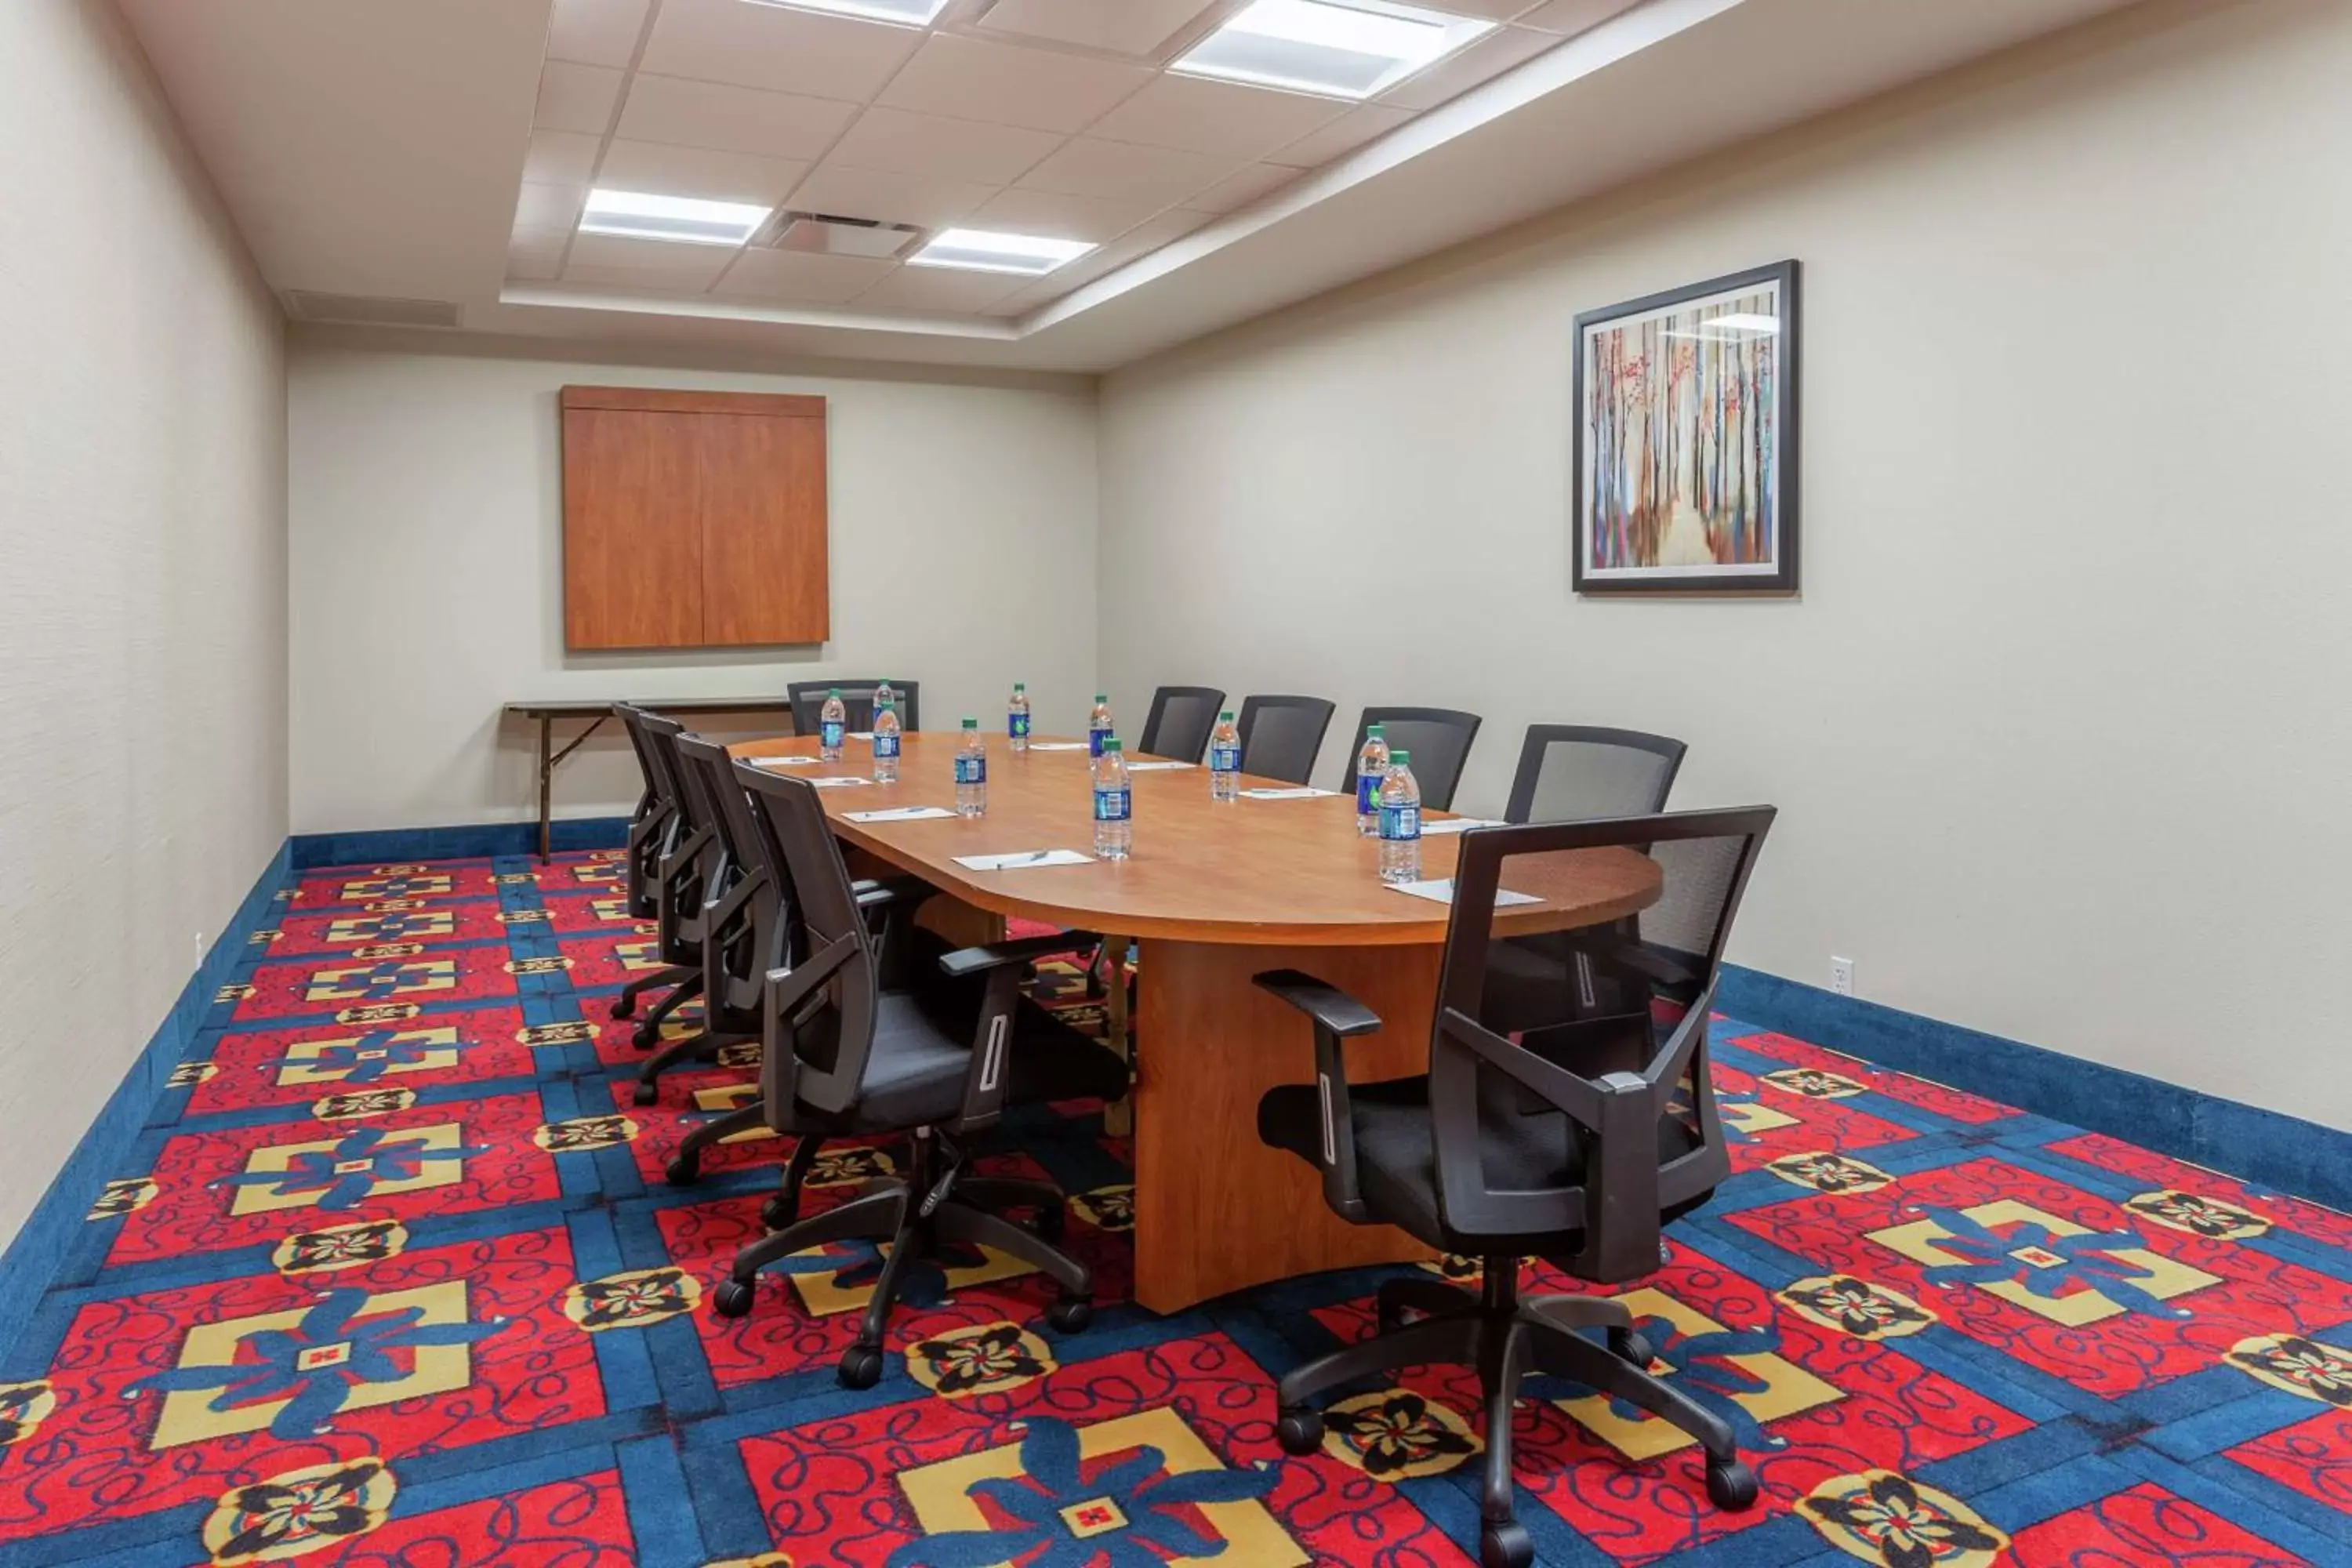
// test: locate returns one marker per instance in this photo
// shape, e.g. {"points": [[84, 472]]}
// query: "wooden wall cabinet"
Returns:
{"points": [[693, 519]]}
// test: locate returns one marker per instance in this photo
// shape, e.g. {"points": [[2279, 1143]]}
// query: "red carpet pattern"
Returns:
{"points": [[393, 1279]]}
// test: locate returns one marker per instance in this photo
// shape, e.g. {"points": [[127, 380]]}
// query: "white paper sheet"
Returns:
{"points": [[1021, 860], [1159, 767], [1440, 891], [901, 813], [1455, 825], [783, 762], [1058, 745], [838, 782], [1299, 794]]}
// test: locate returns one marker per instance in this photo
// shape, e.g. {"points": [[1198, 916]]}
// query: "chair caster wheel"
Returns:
{"points": [[1070, 1314], [646, 1039], [683, 1171], [1505, 1546], [646, 1093], [623, 1006], [776, 1214], [861, 1367], [1300, 1432], [1730, 1484], [1630, 1347], [732, 1298]]}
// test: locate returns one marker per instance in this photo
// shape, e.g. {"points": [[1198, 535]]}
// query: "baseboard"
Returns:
{"points": [[29, 1266], [464, 841], [2283, 1152]]}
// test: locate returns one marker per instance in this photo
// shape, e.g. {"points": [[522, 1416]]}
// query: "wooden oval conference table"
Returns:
{"points": [[1214, 892]]}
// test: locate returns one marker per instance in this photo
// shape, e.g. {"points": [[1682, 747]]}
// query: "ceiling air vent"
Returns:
{"points": [[831, 236], [370, 310]]}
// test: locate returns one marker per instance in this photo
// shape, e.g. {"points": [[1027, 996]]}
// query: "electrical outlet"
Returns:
{"points": [[200, 950], [1842, 975]]}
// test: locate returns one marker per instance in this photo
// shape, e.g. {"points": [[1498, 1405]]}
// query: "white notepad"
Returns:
{"points": [[1021, 860], [783, 762], [1301, 793], [1455, 825], [859, 734], [1159, 767], [901, 813], [1440, 891], [838, 782], [1058, 745]]}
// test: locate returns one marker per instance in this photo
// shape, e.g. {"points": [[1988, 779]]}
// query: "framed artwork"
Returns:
{"points": [[1686, 443]]}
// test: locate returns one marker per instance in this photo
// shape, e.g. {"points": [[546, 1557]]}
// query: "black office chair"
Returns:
{"points": [[1180, 721], [1439, 740], [650, 826], [846, 1056], [1573, 1138], [807, 698], [1577, 773], [674, 887], [1281, 736]]}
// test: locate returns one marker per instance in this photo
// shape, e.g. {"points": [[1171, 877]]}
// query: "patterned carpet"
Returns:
{"points": [[393, 1279]]}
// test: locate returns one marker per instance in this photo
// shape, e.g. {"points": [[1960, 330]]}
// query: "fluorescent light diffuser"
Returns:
{"points": [[1341, 48], [639, 215], [905, 12], [978, 250]]}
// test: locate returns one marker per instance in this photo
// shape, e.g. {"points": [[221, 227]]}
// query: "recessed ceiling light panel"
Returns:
{"points": [[1341, 48], [639, 215], [905, 12], [978, 250]]}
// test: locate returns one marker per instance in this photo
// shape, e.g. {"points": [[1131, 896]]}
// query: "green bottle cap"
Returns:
{"points": [[1102, 696], [1225, 717], [971, 724], [1399, 757], [1111, 745], [834, 691], [1376, 731], [1019, 686]]}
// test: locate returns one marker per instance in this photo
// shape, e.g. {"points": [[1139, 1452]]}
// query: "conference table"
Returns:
{"points": [[1215, 893]]}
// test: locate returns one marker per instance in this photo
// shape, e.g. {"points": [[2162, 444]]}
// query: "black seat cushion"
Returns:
{"points": [[1396, 1158], [922, 1048]]}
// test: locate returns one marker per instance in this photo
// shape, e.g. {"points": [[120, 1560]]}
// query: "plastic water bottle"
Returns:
{"points": [[1399, 822], [971, 773], [831, 725], [1372, 767], [886, 740], [1098, 725], [1114, 802], [883, 694], [1225, 759], [1016, 717]]}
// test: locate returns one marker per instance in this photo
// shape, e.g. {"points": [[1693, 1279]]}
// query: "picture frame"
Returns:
{"points": [[1687, 482]]}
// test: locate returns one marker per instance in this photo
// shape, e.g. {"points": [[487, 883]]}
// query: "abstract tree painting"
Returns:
{"points": [[1685, 438]]}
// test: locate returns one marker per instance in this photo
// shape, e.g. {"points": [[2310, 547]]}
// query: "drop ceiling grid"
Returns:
{"points": [[1128, 164]]}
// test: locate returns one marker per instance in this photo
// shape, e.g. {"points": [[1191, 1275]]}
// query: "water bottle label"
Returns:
{"points": [[1225, 759], [1016, 725], [1095, 739], [829, 733], [885, 746], [1399, 822], [1111, 806], [1368, 788], [971, 770]]}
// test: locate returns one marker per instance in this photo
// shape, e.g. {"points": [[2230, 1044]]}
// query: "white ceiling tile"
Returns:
{"points": [[974, 79], [645, 263], [1052, 215], [899, 143], [1133, 246], [577, 98], [548, 209], [801, 278], [1360, 124], [779, 50], [1239, 190], [533, 268], [1121, 26], [1570, 16], [538, 246], [699, 172], [595, 32], [939, 289], [1221, 118], [1484, 10], [560, 158], [731, 118], [1122, 171], [887, 197], [1491, 55]]}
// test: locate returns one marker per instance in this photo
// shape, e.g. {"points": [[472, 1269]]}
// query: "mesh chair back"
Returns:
{"points": [[652, 826], [1439, 740], [856, 698], [695, 857], [1180, 722], [755, 935], [1525, 1077], [1577, 773], [832, 1038], [1281, 736]]}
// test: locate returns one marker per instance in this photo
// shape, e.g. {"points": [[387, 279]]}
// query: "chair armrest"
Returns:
{"points": [[1337, 1016], [1330, 1007], [970, 960], [881, 892], [989, 1070]]}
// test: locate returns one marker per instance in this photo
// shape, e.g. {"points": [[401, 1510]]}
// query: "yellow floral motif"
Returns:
{"points": [[299, 1512]]}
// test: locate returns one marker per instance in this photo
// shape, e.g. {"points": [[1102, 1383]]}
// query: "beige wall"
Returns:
{"points": [[427, 571], [2058, 726], [142, 603]]}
